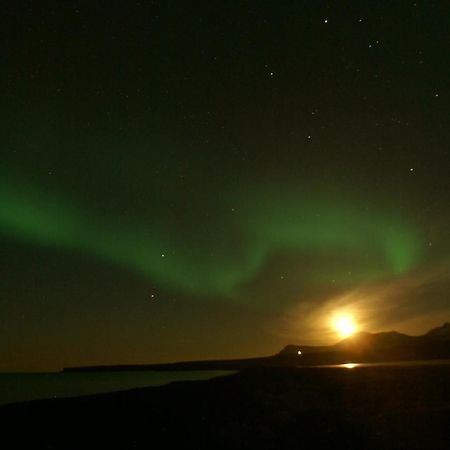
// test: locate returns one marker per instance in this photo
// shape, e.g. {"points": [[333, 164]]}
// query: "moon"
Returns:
{"points": [[345, 325]]}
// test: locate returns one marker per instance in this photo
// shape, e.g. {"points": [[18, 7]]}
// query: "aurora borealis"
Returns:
{"points": [[298, 224], [211, 182]]}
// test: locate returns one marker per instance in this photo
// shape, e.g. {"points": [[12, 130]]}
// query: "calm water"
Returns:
{"points": [[351, 365], [33, 386]]}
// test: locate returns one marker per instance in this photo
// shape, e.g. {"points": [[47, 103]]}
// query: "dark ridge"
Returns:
{"points": [[362, 347]]}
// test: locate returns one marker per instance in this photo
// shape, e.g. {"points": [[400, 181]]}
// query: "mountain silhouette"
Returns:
{"points": [[376, 347], [440, 333], [363, 347]]}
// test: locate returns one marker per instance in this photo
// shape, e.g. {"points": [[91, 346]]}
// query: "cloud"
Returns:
{"points": [[412, 304]]}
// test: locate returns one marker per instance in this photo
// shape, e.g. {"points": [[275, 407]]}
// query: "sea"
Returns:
{"points": [[354, 365], [21, 387]]}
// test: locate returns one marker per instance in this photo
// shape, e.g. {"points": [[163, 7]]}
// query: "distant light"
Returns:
{"points": [[299, 352], [326, 20]]}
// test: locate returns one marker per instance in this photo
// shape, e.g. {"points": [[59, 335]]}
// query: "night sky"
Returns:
{"points": [[214, 179]]}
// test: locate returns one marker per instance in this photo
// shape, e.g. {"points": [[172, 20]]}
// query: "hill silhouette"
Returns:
{"points": [[376, 347], [363, 347]]}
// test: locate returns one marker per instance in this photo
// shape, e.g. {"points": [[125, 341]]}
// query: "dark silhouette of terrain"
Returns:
{"points": [[362, 347], [383, 407], [279, 402], [376, 347]]}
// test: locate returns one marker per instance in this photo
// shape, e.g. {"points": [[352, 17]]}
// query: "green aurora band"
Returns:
{"points": [[263, 223]]}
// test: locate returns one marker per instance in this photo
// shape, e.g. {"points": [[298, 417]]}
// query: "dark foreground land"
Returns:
{"points": [[360, 408]]}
